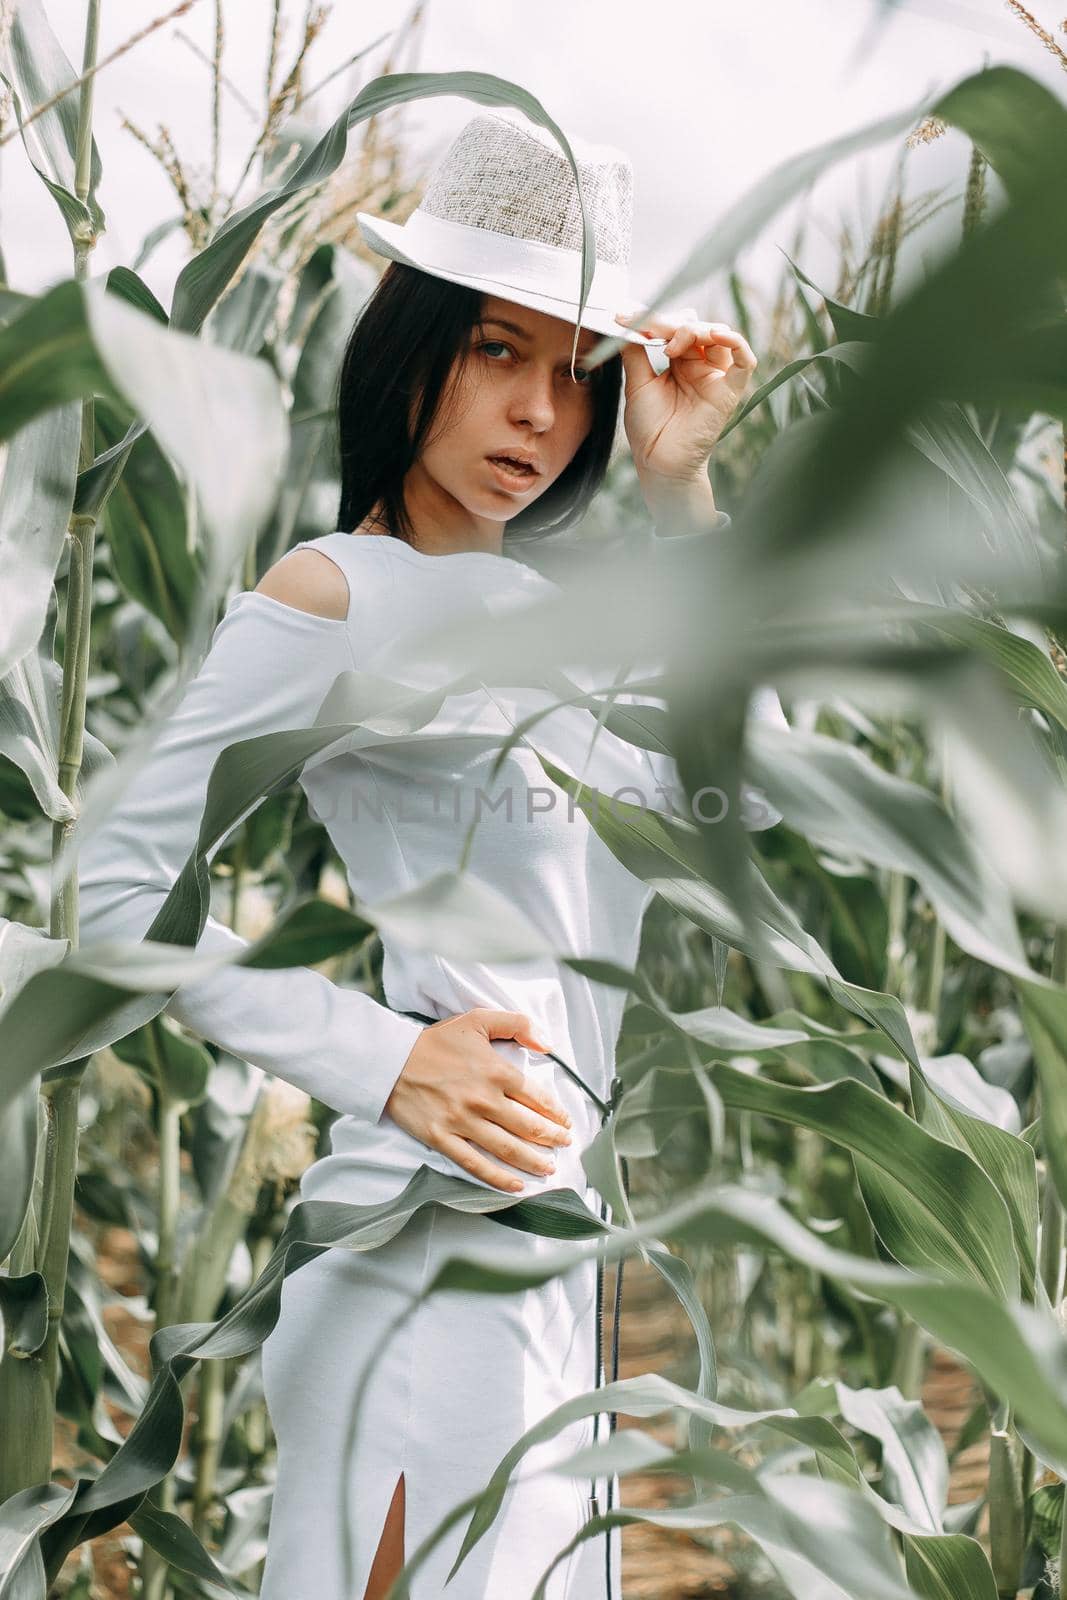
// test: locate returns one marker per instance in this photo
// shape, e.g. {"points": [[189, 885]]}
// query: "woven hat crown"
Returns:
{"points": [[516, 180]]}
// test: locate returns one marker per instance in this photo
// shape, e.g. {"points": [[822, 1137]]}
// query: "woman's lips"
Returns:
{"points": [[514, 479]]}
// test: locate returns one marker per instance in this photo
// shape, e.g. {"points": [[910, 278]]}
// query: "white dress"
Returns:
{"points": [[467, 1374]]}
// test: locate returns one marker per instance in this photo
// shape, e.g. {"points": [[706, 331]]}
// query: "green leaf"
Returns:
{"points": [[764, 1501], [848, 323], [218, 415], [129, 287], [852, 355], [96, 995], [663, 851], [1008, 1161], [47, 358], [1046, 1517], [307, 932], [462, 917], [36, 498], [1015, 121], [747, 218], [241, 318], [153, 1444], [97, 482], [836, 796], [202, 280], [942, 432], [1025, 668], [23, 1315], [311, 482], [154, 237], [939, 1566], [933, 1205], [146, 523], [809, 1530], [965, 332], [914, 1465], [799, 1557], [11, 301], [35, 69], [947, 437], [30, 712], [23, 1518], [23, 952], [176, 1066], [1044, 1013], [172, 1538], [949, 1567], [1019, 1351], [18, 1152]]}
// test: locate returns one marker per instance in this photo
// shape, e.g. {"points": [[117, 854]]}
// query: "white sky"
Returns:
{"points": [[706, 100]]}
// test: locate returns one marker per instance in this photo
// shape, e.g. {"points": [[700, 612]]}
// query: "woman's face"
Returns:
{"points": [[512, 392]]}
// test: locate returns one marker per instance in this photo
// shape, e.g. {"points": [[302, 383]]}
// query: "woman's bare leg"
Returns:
{"points": [[389, 1556]]}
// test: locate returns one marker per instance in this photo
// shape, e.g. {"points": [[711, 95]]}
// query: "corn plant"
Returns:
{"points": [[885, 570]]}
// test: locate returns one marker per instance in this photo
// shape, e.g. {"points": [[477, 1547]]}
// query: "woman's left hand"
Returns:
{"points": [[673, 418]]}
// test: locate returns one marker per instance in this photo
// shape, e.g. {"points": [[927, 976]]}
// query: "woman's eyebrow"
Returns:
{"points": [[512, 327]]}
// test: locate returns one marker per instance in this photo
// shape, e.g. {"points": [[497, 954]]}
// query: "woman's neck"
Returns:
{"points": [[432, 542], [441, 525]]}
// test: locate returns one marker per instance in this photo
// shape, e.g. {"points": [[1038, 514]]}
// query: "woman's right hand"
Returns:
{"points": [[454, 1088]]}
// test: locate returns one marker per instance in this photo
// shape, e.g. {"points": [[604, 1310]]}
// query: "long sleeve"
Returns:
{"points": [[268, 668]]}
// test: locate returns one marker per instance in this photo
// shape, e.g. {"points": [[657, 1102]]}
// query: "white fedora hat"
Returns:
{"points": [[501, 214]]}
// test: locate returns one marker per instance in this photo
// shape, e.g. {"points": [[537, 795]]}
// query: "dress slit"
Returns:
{"points": [[452, 1387]]}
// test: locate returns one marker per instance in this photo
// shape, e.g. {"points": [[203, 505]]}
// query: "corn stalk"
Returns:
{"points": [[28, 1385], [154, 1568]]}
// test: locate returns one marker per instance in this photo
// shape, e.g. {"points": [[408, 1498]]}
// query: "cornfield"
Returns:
{"points": [[844, 1049]]}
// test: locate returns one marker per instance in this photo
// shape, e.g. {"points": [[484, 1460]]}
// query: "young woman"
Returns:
{"points": [[464, 430]]}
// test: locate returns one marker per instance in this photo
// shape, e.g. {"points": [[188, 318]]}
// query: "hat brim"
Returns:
{"points": [[387, 239]]}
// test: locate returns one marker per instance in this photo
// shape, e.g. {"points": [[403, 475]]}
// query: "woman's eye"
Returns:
{"points": [[499, 344]]}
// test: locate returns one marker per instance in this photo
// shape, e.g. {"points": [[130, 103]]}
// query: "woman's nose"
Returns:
{"points": [[532, 402]]}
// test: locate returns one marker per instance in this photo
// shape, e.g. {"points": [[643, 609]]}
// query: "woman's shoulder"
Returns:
{"points": [[323, 576]]}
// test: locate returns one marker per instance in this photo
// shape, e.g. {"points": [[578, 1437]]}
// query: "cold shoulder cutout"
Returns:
{"points": [[311, 581]]}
